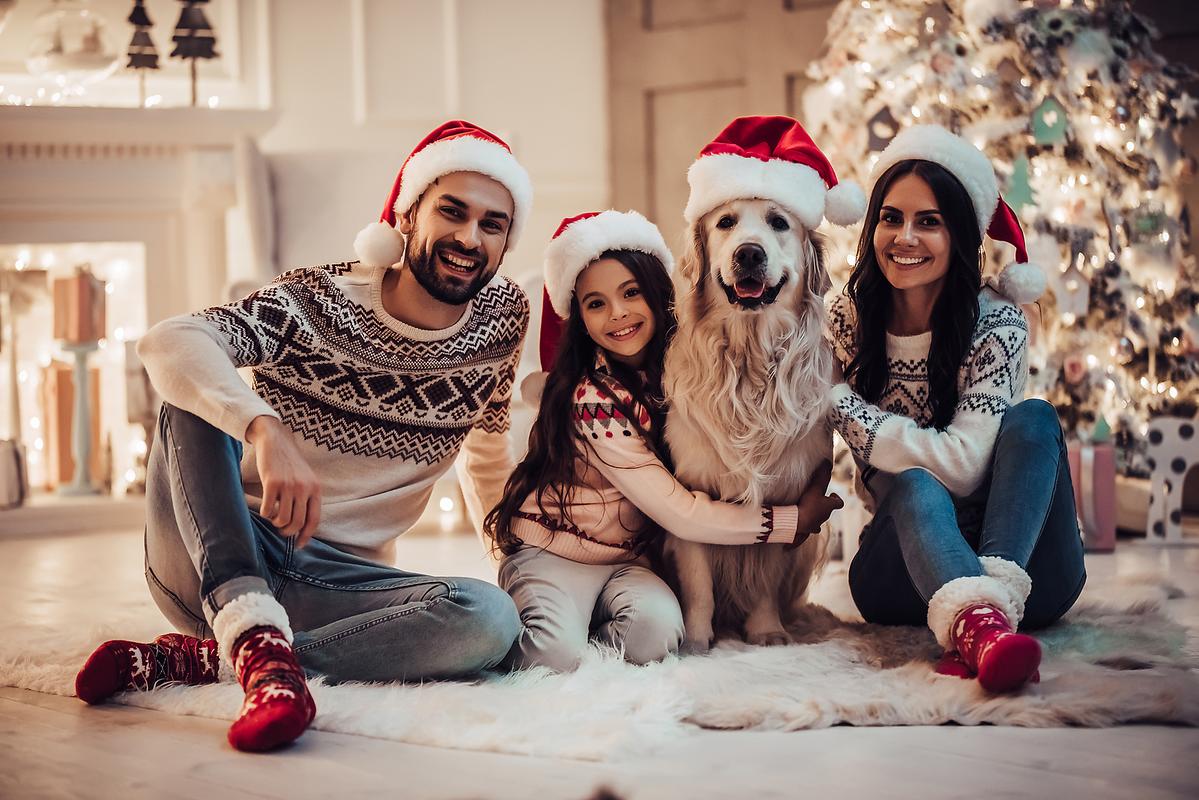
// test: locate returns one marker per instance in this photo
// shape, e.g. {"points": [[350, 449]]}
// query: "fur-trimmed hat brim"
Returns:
{"points": [[965, 161], [585, 240]]}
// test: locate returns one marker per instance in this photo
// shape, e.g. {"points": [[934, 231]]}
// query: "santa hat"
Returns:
{"points": [[582, 239], [771, 158], [1020, 281], [579, 241], [456, 146]]}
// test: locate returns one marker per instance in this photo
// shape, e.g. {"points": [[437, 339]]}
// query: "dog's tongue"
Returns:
{"points": [[749, 288]]}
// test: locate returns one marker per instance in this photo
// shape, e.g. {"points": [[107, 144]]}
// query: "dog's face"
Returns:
{"points": [[756, 250]]}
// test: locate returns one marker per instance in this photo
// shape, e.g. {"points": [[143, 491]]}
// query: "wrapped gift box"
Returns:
{"points": [[1093, 473], [79, 308]]}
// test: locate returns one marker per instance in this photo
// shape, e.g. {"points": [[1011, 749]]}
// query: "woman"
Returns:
{"points": [[974, 530]]}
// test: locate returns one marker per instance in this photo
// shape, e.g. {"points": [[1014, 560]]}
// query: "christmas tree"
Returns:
{"points": [[142, 53], [193, 37], [1083, 122]]}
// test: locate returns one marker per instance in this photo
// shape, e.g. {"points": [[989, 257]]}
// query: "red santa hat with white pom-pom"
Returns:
{"points": [[771, 158], [455, 146], [578, 242], [1019, 281]]}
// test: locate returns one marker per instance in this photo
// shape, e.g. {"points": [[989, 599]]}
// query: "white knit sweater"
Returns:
{"points": [[895, 434], [379, 409]]}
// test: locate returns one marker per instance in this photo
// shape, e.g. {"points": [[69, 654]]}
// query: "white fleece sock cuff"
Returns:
{"points": [[958, 595], [244, 612], [1014, 579]]}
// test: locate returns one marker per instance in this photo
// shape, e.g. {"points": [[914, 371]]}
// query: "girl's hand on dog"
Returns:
{"points": [[815, 507]]}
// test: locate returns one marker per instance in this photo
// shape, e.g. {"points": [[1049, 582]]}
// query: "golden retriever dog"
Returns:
{"points": [[747, 377]]}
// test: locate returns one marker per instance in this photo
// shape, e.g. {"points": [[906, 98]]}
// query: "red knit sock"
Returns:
{"points": [[1004, 660], [278, 706], [121, 666]]}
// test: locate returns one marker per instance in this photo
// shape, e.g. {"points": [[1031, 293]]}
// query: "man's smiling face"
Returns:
{"points": [[457, 234]]}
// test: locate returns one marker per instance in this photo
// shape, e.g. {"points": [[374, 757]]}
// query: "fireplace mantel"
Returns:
{"points": [[47, 126], [168, 178]]}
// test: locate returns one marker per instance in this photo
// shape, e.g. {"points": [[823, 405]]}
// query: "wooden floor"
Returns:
{"points": [[57, 747]]}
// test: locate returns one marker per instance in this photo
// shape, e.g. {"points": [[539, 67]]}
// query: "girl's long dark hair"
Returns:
{"points": [[548, 468], [955, 312]]}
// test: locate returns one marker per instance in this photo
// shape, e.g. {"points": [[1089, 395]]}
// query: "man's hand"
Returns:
{"points": [[291, 492], [814, 506]]}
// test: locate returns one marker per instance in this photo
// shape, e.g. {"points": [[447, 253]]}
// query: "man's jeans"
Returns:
{"points": [[353, 619], [922, 537]]}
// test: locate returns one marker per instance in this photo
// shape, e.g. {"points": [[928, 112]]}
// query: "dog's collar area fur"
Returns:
{"points": [[750, 303]]}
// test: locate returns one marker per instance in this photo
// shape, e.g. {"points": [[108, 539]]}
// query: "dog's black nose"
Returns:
{"points": [[749, 255]]}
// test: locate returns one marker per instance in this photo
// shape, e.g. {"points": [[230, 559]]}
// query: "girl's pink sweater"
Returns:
{"points": [[619, 482]]}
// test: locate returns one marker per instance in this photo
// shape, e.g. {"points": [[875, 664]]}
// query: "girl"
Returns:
{"points": [[594, 490], [974, 530]]}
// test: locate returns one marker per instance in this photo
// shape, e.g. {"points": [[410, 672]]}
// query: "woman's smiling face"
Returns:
{"points": [[911, 240]]}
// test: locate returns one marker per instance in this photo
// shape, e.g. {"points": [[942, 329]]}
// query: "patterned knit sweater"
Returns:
{"points": [[379, 408], [620, 482], [896, 434]]}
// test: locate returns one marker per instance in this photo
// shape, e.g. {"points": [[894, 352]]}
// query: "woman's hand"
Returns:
{"points": [[815, 507]]}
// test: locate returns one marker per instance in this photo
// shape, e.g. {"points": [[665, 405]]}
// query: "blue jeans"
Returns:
{"points": [[354, 620], [922, 537]]}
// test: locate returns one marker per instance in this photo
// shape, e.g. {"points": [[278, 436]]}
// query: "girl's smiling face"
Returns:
{"points": [[911, 241], [614, 310]]}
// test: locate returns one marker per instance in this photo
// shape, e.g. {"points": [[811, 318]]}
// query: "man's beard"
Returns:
{"points": [[443, 288]]}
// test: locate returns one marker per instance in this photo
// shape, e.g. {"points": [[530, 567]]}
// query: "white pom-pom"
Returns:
{"points": [[845, 203], [532, 387], [1022, 283], [379, 245]]}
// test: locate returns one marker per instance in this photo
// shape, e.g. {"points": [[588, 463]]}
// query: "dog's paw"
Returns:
{"points": [[695, 647], [770, 638]]}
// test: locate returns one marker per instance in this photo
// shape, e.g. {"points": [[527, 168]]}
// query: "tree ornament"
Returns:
{"points": [[1019, 193], [1185, 107], [1049, 122], [881, 129], [935, 23], [142, 53], [193, 38]]}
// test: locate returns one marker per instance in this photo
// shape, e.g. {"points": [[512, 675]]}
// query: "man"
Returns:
{"points": [[368, 379]]}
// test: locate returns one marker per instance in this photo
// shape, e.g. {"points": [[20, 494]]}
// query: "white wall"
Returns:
{"points": [[358, 82]]}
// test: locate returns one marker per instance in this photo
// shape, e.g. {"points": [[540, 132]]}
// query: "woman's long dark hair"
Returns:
{"points": [[955, 312], [549, 468]]}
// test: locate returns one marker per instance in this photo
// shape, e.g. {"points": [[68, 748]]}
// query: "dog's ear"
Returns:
{"points": [[818, 279], [694, 261]]}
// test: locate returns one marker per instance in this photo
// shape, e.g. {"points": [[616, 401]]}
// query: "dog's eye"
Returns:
{"points": [[726, 222], [778, 223]]}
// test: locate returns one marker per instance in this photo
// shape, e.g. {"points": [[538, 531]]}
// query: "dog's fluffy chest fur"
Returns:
{"points": [[747, 420]]}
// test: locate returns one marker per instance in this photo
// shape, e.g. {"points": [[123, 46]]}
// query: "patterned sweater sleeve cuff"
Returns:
{"points": [[780, 524], [843, 401], [840, 392]]}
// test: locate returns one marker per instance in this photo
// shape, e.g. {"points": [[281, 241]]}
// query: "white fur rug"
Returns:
{"points": [[1116, 659]]}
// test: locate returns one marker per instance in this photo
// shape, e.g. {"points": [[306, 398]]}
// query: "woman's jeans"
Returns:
{"points": [[353, 619], [922, 537]]}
